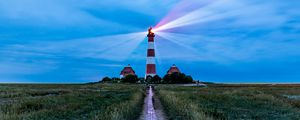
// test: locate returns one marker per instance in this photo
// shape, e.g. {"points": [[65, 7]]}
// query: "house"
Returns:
{"points": [[127, 71], [173, 69]]}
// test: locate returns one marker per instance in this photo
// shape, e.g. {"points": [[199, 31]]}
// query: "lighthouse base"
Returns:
{"points": [[152, 75]]}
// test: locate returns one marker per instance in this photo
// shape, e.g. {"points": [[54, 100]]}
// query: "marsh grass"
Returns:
{"points": [[51, 102], [230, 102]]}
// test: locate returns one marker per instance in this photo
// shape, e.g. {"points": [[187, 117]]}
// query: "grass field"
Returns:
{"points": [[125, 101], [231, 102], [50, 102]]}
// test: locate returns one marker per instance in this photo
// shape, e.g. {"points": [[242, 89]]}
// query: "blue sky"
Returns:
{"points": [[73, 41]]}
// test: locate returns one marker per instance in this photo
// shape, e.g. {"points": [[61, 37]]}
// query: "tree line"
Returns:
{"points": [[174, 78]]}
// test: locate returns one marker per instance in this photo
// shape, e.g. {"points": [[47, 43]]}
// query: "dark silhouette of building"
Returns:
{"points": [[127, 71], [173, 69]]}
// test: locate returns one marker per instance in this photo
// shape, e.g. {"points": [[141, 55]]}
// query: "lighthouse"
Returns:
{"points": [[150, 67]]}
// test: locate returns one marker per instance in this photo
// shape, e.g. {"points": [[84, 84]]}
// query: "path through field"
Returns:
{"points": [[152, 107]]}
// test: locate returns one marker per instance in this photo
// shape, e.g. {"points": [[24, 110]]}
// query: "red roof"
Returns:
{"points": [[127, 70], [173, 69]]}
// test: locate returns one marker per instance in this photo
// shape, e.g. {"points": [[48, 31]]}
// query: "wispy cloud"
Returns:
{"points": [[227, 49], [230, 30], [239, 13], [115, 47]]}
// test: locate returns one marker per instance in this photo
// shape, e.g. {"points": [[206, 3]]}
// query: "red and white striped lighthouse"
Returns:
{"points": [[150, 68]]}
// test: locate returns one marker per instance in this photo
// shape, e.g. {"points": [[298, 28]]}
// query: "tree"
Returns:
{"points": [[149, 79], [142, 80], [116, 80], [156, 79], [177, 78], [167, 79], [189, 79], [130, 79]]}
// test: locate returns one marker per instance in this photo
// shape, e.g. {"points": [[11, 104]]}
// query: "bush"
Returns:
{"points": [[189, 79], [142, 80], [156, 79], [130, 79], [116, 80], [149, 79], [177, 78], [153, 80]]}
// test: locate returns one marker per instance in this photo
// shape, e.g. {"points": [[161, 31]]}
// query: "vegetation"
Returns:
{"points": [[109, 80], [174, 78], [177, 78], [106, 79], [130, 79], [51, 102], [110, 101], [142, 80], [231, 101], [154, 80], [116, 79]]}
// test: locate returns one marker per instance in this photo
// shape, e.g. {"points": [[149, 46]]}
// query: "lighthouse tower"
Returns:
{"points": [[150, 67]]}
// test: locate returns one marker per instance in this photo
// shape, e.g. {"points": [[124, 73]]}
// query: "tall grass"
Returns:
{"points": [[228, 102], [180, 110], [51, 102]]}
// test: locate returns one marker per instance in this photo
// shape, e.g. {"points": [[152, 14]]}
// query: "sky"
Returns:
{"points": [[75, 41]]}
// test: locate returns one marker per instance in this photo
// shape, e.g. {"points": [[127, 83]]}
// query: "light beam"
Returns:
{"points": [[183, 50], [113, 47], [215, 11]]}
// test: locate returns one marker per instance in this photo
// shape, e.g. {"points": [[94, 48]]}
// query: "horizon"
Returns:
{"points": [[80, 83], [220, 41]]}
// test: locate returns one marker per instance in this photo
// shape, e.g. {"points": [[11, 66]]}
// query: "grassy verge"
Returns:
{"points": [[99, 101], [230, 102]]}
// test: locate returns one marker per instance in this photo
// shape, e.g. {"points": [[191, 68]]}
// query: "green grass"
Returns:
{"points": [[50, 102], [230, 102], [125, 101]]}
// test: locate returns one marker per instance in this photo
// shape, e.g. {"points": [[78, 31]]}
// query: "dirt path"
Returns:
{"points": [[152, 107]]}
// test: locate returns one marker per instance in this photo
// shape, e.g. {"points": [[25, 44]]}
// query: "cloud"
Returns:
{"points": [[115, 47], [42, 12], [230, 30], [20, 68], [233, 12], [227, 49], [16, 70], [59, 20], [85, 40], [56, 13]]}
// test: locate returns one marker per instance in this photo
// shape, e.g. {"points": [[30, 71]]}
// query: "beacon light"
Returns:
{"points": [[151, 30]]}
